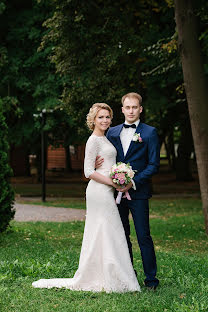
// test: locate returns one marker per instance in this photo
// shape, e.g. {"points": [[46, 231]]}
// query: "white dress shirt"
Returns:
{"points": [[126, 137]]}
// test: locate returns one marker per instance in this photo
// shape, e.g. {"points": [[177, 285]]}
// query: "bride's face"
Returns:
{"points": [[102, 120]]}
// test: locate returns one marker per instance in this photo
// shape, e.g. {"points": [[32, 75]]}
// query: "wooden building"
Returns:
{"points": [[56, 159]]}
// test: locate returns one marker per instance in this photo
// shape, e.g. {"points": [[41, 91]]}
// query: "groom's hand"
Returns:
{"points": [[126, 188], [98, 162]]}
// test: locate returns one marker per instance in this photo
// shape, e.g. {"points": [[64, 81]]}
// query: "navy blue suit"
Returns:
{"points": [[144, 157]]}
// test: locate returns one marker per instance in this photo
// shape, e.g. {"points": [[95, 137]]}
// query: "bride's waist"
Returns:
{"points": [[104, 171]]}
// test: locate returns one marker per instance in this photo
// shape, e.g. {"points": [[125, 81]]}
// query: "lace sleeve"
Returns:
{"points": [[91, 151]]}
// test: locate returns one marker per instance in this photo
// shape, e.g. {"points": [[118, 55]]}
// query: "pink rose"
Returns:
{"points": [[122, 181], [120, 176]]}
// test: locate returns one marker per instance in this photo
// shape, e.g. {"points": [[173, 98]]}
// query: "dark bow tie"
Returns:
{"points": [[129, 126]]}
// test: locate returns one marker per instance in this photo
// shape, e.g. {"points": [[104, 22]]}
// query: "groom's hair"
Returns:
{"points": [[132, 95]]}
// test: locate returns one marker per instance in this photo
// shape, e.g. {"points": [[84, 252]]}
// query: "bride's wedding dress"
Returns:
{"points": [[104, 263]]}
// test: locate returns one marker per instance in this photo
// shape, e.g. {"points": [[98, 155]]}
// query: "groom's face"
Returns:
{"points": [[131, 109]]}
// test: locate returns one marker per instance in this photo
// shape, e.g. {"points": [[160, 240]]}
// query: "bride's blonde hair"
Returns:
{"points": [[93, 113]]}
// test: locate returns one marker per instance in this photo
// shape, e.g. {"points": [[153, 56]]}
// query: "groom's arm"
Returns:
{"points": [[153, 160]]}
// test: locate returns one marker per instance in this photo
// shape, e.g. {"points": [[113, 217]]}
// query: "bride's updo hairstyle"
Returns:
{"points": [[93, 113]]}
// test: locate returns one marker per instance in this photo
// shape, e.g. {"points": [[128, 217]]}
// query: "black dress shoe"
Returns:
{"points": [[151, 288], [151, 284]]}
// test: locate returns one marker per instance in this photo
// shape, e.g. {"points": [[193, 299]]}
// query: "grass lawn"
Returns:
{"points": [[29, 251]]}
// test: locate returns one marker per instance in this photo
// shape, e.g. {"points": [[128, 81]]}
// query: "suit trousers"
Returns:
{"points": [[140, 212]]}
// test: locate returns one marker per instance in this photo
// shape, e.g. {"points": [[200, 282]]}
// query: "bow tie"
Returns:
{"points": [[129, 126]]}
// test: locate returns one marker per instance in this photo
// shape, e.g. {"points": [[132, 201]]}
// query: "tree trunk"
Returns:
{"points": [[185, 148], [169, 145], [196, 90]]}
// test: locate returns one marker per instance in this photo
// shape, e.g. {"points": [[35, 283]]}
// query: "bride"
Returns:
{"points": [[104, 263]]}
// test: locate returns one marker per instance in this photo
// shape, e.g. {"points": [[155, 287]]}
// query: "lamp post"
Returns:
{"points": [[43, 146], [43, 165], [42, 115]]}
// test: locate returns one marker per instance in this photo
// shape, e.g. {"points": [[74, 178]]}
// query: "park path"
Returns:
{"points": [[25, 212], [30, 212]]}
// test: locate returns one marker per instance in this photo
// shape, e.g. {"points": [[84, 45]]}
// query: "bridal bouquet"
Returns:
{"points": [[122, 174]]}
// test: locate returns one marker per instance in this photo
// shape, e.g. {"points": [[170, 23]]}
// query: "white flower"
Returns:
{"points": [[131, 173], [114, 167], [137, 138], [122, 167]]}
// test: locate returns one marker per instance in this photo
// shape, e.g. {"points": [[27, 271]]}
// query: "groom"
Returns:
{"points": [[137, 143]]}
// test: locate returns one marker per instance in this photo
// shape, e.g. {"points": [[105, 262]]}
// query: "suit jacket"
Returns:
{"points": [[144, 157]]}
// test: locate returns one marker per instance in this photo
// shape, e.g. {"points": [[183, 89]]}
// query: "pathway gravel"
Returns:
{"points": [[30, 212], [34, 213]]}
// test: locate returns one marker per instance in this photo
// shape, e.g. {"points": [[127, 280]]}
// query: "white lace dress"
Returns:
{"points": [[104, 263]]}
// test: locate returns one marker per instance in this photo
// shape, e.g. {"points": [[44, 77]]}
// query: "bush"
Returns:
{"points": [[6, 192]]}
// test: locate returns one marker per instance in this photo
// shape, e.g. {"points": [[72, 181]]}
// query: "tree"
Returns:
{"points": [[6, 192], [97, 50], [163, 76], [29, 82], [196, 89]]}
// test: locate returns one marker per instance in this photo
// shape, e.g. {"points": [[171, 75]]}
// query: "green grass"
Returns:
{"points": [[29, 251]]}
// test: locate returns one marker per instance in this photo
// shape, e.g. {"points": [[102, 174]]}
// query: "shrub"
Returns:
{"points": [[6, 192]]}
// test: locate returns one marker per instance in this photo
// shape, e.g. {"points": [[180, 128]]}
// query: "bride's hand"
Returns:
{"points": [[118, 188], [124, 188], [114, 185]]}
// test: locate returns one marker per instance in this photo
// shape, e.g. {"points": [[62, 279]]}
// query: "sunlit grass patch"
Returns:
{"points": [[29, 251]]}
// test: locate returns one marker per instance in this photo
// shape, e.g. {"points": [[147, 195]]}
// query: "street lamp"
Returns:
{"points": [[43, 165], [43, 116], [43, 146]]}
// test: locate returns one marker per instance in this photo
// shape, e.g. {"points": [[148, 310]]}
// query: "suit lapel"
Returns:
{"points": [[132, 144], [118, 144]]}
